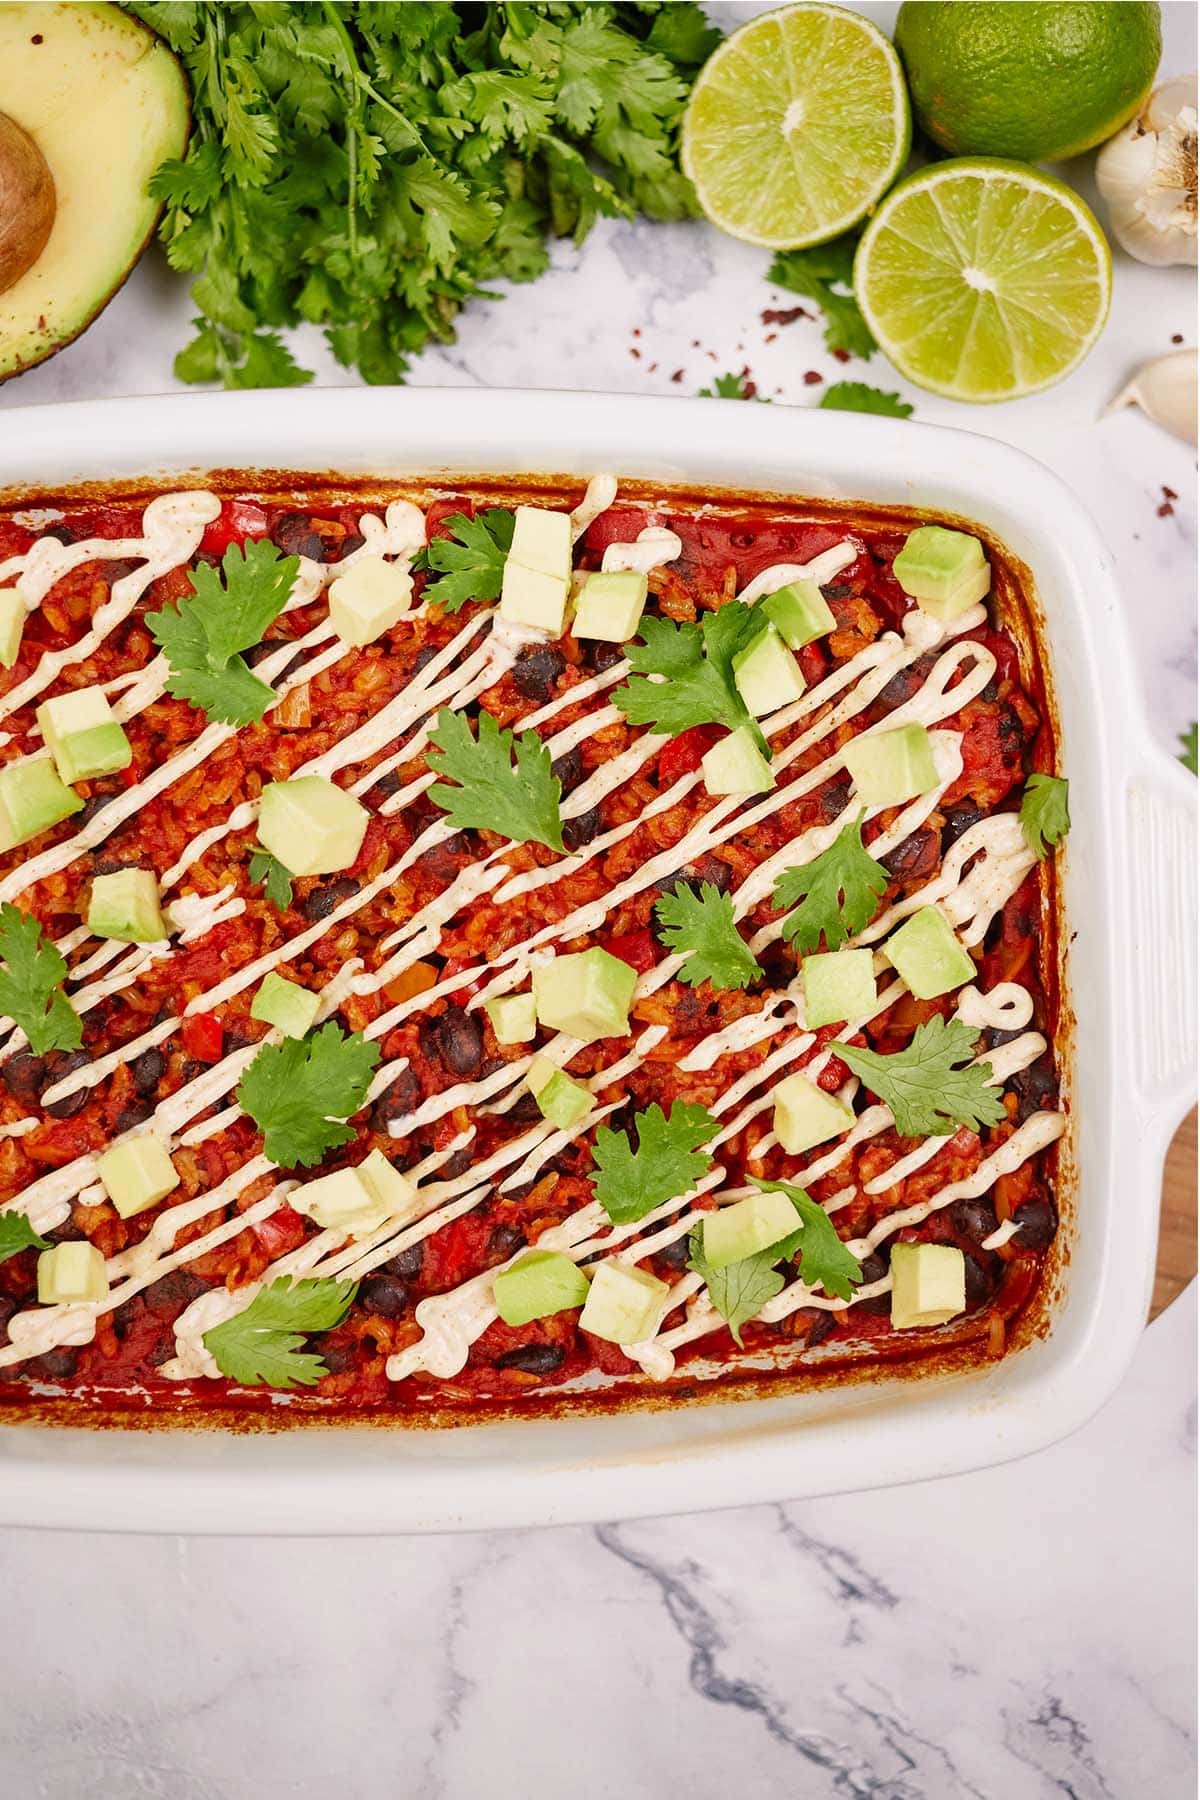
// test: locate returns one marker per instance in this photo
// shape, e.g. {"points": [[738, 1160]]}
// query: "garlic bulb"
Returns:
{"points": [[1165, 389], [1147, 173]]}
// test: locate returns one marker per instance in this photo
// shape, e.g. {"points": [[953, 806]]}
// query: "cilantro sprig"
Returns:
{"points": [[518, 798], [701, 926], [668, 1160], [471, 560], [17, 1234], [276, 880], [740, 1290], [1189, 754], [31, 981], [925, 1086], [260, 1346], [838, 892], [861, 397], [825, 273], [696, 663], [299, 1092], [732, 387], [1045, 814], [203, 636]]}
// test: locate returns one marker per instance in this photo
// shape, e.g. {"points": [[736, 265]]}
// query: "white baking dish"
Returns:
{"points": [[1129, 898]]}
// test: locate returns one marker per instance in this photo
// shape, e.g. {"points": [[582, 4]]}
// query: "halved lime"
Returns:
{"points": [[797, 124], [983, 279]]}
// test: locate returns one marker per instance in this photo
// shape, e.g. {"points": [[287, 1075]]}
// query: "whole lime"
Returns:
{"points": [[1039, 81]]}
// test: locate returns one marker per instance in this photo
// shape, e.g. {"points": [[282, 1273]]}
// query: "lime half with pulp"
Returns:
{"points": [[797, 124], [983, 279]]}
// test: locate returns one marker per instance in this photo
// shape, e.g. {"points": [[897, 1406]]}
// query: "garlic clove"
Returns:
{"points": [[1147, 174], [1165, 390]]}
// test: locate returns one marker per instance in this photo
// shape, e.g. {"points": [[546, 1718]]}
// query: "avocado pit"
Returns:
{"points": [[27, 202]]}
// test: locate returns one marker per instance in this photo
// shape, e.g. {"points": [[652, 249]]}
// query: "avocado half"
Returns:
{"points": [[103, 101]]}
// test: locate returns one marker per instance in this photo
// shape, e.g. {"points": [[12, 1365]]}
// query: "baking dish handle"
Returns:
{"points": [[1160, 811]]}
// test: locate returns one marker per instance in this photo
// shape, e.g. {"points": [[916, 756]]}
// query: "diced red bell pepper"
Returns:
{"points": [[637, 948], [684, 753], [203, 1037], [280, 1232], [236, 521]]}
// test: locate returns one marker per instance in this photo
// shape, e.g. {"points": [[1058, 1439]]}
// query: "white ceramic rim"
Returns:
{"points": [[1132, 983]]}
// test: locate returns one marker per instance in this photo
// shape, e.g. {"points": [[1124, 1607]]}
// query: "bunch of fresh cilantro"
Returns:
{"points": [[371, 167]]}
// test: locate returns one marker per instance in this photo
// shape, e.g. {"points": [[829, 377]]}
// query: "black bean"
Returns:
{"points": [[600, 656], [823, 1323], [1038, 1222], [457, 1164], [990, 691], [424, 655], [778, 964], [407, 1262], [388, 784], [169, 1295], [980, 1280], [70, 1104], [676, 1253], [319, 902], [338, 1358], [384, 1294], [112, 865], [404, 1096], [707, 868], [1036, 1088], [582, 829], [61, 533], [532, 1359], [837, 590], [119, 567], [136, 1113], [914, 858], [874, 1268], [536, 671], [92, 805], [833, 798], [974, 1219], [504, 1239], [24, 1075], [569, 768], [52, 1365], [295, 537], [959, 818], [353, 540], [524, 1109]]}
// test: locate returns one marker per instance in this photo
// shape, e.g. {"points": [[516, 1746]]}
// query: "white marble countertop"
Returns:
{"points": [[1020, 1633]]}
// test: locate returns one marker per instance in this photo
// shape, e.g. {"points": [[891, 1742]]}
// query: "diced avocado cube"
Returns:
{"points": [[13, 614], [736, 765], [311, 826], [929, 1284], [839, 985], [369, 599], [610, 605], [137, 1174], [944, 571], [799, 612], [125, 906], [541, 1283], [286, 1004], [340, 1202], [928, 956], [586, 994], [386, 1184], [806, 1115], [733, 1233], [890, 766], [560, 1100], [71, 1271], [513, 1017], [623, 1303], [529, 597], [766, 674], [32, 798], [83, 736], [542, 541]]}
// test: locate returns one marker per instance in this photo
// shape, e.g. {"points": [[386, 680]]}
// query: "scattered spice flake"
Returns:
{"points": [[634, 351], [637, 331], [695, 343], [842, 355], [1169, 493], [784, 315], [1177, 337], [812, 377], [652, 367], [678, 375], [1166, 510], [770, 337]]}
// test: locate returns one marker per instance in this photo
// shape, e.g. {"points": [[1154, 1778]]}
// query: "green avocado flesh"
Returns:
{"points": [[105, 102]]}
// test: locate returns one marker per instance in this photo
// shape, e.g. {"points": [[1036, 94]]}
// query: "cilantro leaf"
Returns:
{"points": [[260, 1346], [820, 274], [471, 559], [16, 1234], [740, 1290], [31, 981], [519, 801], [702, 927], [860, 396], [838, 892], [696, 662], [925, 1086], [1045, 818], [667, 1162], [298, 1092], [277, 881], [203, 635], [732, 387], [824, 1259], [1190, 749]]}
